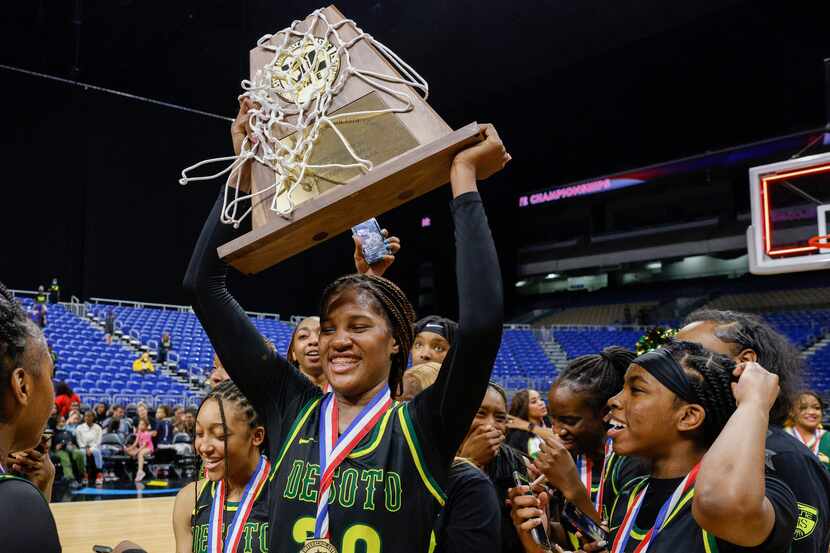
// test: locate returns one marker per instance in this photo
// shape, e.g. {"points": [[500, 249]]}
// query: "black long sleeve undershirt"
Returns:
{"points": [[442, 414]]}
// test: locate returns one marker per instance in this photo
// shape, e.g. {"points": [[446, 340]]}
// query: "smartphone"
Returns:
{"points": [[101, 549], [372, 241], [585, 524], [538, 533]]}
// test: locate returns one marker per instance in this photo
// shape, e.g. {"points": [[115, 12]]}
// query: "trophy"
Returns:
{"points": [[341, 133]]}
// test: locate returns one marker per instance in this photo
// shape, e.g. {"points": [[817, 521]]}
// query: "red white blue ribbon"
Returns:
{"points": [[624, 533], [243, 511], [606, 462], [334, 449], [585, 467], [811, 444]]}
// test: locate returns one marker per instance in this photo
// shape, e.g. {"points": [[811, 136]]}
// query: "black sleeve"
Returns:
{"points": [[444, 411], [517, 439], [28, 525], [786, 513], [473, 523], [266, 378]]}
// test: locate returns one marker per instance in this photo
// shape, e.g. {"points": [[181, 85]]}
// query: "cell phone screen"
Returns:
{"points": [[584, 524]]}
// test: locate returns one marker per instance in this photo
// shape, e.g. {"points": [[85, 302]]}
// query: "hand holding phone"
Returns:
{"points": [[538, 532], [372, 242]]}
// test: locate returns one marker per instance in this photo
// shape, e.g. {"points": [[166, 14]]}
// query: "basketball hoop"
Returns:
{"points": [[816, 242]]}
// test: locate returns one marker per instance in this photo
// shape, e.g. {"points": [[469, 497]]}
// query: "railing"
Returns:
{"points": [[170, 307]]}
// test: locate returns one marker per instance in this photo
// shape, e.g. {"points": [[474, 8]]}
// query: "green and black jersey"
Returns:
{"points": [[387, 494], [681, 532], [254, 535]]}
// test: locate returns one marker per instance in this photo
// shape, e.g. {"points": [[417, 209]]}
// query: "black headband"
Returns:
{"points": [[436, 328], [662, 366]]}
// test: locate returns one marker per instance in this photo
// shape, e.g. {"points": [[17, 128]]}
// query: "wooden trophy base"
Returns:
{"points": [[385, 187]]}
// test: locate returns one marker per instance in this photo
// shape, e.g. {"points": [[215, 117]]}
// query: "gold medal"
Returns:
{"points": [[318, 546]]}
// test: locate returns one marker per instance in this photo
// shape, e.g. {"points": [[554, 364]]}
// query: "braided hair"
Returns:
{"points": [[392, 304], [774, 351], [15, 330], [600, 375], [222, 392], [711, 378]]}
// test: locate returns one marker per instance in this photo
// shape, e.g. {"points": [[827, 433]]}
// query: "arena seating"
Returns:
{"points": [[596, 314]]}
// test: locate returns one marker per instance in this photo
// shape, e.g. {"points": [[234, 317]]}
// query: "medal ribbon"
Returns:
{"points": [[334, 449], [243, 511], [811, 444], [624, 533], [585, 466], [606, 463]]}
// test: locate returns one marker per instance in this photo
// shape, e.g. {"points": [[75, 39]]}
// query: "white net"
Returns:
{"points": [[294, 92]]}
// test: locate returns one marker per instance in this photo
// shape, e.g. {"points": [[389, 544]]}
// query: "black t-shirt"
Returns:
{"points": [[471, 518], [524, 441], [681, 533], [439, 417], [796, 466], [500, 471], [27, 523], [624, 473]]}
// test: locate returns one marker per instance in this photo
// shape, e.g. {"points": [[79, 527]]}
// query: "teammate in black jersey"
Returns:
{"points": [[682, 410], [573, 459], [745, 337], [229, 440], [26, 400], [387, 491]]}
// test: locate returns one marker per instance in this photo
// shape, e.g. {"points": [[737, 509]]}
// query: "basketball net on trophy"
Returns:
{"points": [[294, 92]]}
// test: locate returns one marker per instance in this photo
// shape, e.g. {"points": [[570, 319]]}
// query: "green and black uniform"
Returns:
{"points": [[27, 523], [681, 532], [386, 495], [254, 535]]}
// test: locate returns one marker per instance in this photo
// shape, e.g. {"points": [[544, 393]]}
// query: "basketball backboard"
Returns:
{"points": [[790, 203]]}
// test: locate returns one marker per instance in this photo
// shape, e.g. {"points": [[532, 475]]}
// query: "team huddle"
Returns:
{"points": [[701, 443]]}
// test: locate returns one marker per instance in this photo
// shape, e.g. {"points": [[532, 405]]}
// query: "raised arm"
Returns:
{"points": [[733, 499], [446, 409]]}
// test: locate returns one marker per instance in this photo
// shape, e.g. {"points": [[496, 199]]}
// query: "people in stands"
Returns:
{"points": [[417, 379], [229, 440], [118, 422], [73, 420], [575, 457], [304, 351], [26, 399], [188, 423], [433, 338], [485, 447], [806, 427], [141, 448], [88, 436], [70, 457], [164, 426], [40, 314], [144, 364], [527, 412], [748, 338], [143, 414], [217, 375], [100, 411], [109, 325], [54, 291], [165, 346], [365, 338], [41, 298], [178, 417], [64, 397]]}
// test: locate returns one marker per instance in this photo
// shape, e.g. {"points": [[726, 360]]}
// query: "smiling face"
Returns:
{"points": [[493, 412], [536, 408], [429, 346], [305, 347], [578, 425], [356, 343], [807, 412], [243, 442], [644, 416]]}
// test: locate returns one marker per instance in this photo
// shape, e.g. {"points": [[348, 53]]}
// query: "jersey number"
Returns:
{"points": [[354, 534]]}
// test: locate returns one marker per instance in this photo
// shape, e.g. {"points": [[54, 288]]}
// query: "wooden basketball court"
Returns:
{"points": [[146, 521]]}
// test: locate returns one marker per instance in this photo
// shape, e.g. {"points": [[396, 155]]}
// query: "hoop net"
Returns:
{"points": [[302, 109], [820, 242]]}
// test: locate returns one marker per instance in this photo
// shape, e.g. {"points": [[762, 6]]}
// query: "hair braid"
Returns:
{"points": [[601, 375], [711, 378], [395, 307], [15, 329]]}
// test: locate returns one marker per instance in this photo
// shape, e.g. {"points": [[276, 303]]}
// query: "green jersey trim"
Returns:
{"points": [[302, 417], [418, 456]]}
